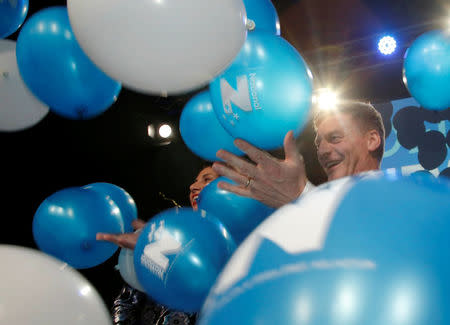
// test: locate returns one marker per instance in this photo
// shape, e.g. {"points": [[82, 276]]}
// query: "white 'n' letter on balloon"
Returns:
{"points": [[161, 244]]}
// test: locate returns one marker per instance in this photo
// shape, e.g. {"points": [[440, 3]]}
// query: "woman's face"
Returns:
{"points": [[203, 178]]}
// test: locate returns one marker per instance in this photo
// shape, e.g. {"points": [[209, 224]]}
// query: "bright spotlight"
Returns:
{"points": [[165, 131], [387, 45], [325, 99]]}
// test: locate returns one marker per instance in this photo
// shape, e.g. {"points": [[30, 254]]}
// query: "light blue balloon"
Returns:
{"points": [[126, 268], [426, 70], [121, 198], [66, 223], [240, 215], [265, 93], [382, 259], [178, 256], [58, 72], [12, 16], [201, 131], [264, 15]]}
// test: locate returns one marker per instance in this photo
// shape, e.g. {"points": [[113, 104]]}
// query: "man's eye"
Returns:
{"points": [[335, 138]]}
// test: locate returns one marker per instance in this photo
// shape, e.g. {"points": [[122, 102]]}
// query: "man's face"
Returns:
{"points": [[205, 176], [342, 148]]}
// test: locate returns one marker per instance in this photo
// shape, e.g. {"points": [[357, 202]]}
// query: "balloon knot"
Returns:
{"points": [[85, 245], [250, 25], [81, 112]]}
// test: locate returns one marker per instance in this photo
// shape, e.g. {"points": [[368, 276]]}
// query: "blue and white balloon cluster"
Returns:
{"points": [[264, 93], [76, 63]]}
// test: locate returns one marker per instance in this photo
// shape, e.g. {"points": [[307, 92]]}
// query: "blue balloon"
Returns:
{"points": [[66, 223], [370, 251], [201, 131], [265, 93], [58, 72], [239, 214], [179, 255], [426, 70], [121, 198], [12, 16], [264, 15]]}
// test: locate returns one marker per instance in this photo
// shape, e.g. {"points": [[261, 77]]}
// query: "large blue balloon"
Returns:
{"points": [[66, 223], [351, 252], [179, 255], [426, 70], [265, 93], [12, 15], [264, 15], [121, 198], [57, 71], [239, 214], [201, 131]]}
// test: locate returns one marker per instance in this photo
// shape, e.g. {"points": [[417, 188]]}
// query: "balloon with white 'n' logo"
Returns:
{"points": [[265, 93], [201, 131], [369, 250], [178, 256]]}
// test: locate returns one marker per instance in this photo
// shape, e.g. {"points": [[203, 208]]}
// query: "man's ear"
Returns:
{"points": [[373, 140]]}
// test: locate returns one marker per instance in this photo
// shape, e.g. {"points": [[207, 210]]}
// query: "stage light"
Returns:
{"points": [[387, 45], [165, 131], [325, 98], [151, 131]]}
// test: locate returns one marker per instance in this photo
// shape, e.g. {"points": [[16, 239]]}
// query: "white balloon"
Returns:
{"points": [[38, 289], [160, 46], [126, 268], [19, 109]]}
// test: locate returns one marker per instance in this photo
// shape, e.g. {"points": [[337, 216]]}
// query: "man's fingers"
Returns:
{"points": [[290, 148], [238, 163], [138, 224], [120, 240], [257, 155], [239, 190], [107, 237], [223, 170]]}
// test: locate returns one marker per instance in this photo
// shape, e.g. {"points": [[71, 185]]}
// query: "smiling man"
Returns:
{"points": [[349, 140]]}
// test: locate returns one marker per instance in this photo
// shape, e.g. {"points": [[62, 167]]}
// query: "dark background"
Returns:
{"points": [[338, 39]]}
